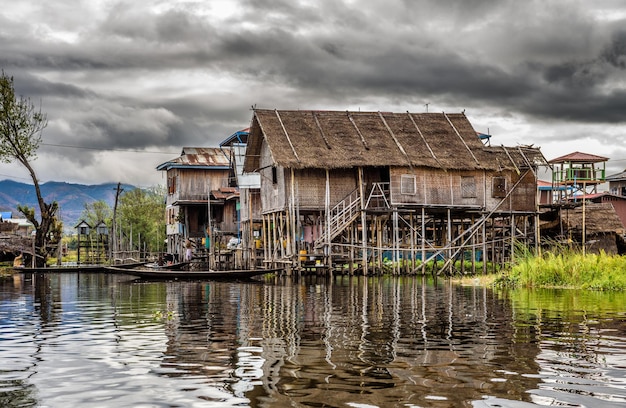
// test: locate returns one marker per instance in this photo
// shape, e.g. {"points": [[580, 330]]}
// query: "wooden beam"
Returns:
{"points": [[460, 137], [286, 135], [358, 131]]}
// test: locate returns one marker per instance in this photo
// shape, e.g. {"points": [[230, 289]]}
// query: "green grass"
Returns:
{"points": [[566, 268]]}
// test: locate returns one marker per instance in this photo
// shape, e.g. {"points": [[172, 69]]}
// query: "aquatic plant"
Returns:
{"points": [[567, 268]]}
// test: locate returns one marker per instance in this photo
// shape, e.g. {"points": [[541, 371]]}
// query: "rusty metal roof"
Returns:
{"points": [[198, 157]]}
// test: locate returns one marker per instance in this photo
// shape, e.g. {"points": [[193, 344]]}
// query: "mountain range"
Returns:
{"points": [[71, 197]]}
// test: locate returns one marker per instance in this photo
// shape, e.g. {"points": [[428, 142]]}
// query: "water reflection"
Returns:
{"points": [[108, 340]]}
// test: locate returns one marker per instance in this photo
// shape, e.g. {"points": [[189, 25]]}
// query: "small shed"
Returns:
{"points": [[601, 226]]}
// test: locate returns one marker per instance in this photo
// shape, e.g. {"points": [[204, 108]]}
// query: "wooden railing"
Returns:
{"points": [[341, 215], [579, 175]]}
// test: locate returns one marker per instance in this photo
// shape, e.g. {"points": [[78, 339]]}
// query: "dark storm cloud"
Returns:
{"points": [[129, 75], [551, 80]]}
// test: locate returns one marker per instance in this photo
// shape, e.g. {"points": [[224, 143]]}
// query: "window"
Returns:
{"points": [[171, 185], [468, 187], [274, 175], [407, 184], [499, 187]]}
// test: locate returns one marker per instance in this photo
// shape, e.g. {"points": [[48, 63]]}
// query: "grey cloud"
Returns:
{"points": [[135, 76]]}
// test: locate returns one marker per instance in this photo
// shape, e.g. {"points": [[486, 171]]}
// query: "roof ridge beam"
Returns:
{"points": [[287, 135], [358, 131], [393, 136], [319, 127], [511, 158], [460, 137], [423, 138]]}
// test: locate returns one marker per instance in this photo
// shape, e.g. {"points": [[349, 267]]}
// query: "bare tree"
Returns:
{"points": [[21, 125]]}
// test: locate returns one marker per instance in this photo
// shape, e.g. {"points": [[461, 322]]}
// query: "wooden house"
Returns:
{"points": [[201, 203], [617, 183], [368, 189]]}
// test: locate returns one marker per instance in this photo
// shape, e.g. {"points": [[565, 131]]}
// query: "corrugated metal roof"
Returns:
{"points": [[617, 177], [579, 157], [200, 157]]}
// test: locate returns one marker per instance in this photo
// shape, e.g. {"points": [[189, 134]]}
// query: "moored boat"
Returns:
{"points": [[74, 268], [170, 274]]}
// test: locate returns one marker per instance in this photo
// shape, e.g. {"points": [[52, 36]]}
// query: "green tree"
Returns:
{"points": [[141, 213], [21, 125], [97, 211]]}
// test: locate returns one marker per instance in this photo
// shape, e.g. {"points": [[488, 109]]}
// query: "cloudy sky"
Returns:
{"points": [[126, 84]]}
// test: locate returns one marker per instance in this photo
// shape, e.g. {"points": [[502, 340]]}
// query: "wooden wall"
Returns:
{"points": [[250, 204], [427, 186], [193, 184]]}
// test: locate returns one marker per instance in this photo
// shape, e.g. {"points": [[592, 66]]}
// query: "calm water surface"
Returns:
{"points": [[98, 340]]}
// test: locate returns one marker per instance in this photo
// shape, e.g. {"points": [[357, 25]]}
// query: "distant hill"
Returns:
{"points": [[71, 197]]}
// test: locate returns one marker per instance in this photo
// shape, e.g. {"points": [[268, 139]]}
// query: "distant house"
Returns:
{"points": [[617, 183], [577, 210], [550, 193], [200, 201], [19, 226], [349, 188]]}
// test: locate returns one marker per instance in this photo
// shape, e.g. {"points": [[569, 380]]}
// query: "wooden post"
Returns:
{"points": [[423, 241], [327, 255], [512, 237], [396, 246], [449, 241], [363, 223], [484, 246]]}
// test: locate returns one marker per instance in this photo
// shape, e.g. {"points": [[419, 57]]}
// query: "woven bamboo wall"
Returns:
{"points": [[311, 187]]}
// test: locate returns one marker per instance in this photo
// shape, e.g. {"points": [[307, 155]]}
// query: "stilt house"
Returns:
{"points": [[370, 191], [200, 203]]}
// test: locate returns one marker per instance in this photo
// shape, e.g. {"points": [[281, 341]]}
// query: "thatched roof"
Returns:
{"points": [[343, 139], [599, 218]]}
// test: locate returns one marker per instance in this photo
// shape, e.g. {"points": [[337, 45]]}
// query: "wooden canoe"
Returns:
{"points": [[74, 268], [165, 274]]}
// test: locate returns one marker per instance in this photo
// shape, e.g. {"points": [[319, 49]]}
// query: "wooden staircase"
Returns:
{"points": [[341, 215], [349, 209]]}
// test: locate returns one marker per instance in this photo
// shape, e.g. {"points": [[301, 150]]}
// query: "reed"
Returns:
{"points": [[565, 267]]}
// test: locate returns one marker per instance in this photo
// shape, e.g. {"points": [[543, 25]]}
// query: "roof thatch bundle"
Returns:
{"points": [[600, 218], [343, 139]]}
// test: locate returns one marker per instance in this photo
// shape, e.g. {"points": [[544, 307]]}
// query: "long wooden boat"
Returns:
{"points": [[52, 269], [73, 268], [165, 274]]}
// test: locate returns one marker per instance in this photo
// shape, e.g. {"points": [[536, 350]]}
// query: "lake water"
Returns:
{"points": [[99, 340]]}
